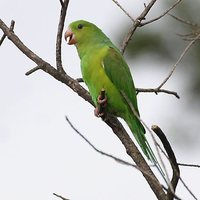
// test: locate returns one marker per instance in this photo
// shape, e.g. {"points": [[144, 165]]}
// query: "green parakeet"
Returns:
{"points": [[103, 67]]}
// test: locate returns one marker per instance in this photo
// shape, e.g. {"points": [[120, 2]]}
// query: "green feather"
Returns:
{"points": [[103, 67]]}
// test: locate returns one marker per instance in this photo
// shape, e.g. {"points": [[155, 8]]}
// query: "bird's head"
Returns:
{"points": [[79, 31], [84, 32]]}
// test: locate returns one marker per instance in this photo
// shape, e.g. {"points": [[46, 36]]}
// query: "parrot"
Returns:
{"points": [[104, 67]]}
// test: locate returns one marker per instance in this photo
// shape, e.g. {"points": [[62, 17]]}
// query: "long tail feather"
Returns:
{"points": [[139, 133]]}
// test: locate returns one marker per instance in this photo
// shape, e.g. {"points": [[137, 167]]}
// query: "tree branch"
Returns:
{"points": [[136, 24], [188, 165], [172, 159], [59, 196], [188, 189], [183, 20], [134, 153], [106, 154], [156, 91], [178, 61], [12, 24], [162, 15], [118, 4], [59, 35], [147, 90], [32, 70], [96, 149]]}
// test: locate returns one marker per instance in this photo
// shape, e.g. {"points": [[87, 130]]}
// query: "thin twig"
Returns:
{"points": [[147, 90], [61, 2], [162, 15], [188, 165], [59, 196], [12, 24], [135, 25], [183, 20], [119, 160], [59, 35], [172, 160], [32, 70], [178, 61], [188, 189], [156, 91], [96, 149], [118, 4]]}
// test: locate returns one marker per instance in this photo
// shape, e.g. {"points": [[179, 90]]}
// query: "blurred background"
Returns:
{"points": [[40, 154]]}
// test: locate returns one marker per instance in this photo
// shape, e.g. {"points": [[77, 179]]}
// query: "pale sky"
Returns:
{"points": [[40, 154]]}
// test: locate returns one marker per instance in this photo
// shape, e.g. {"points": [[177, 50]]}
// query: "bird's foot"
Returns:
{"points": [[102, 103]]}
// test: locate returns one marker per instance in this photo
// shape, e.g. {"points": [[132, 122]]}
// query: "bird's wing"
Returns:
{"points": [[118, 72]]}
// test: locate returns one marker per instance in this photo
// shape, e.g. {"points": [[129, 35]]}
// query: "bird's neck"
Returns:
{"points": [[88, 49]]}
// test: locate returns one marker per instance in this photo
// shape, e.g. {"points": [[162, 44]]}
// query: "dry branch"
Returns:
{"points": [[178, 61], [136, 24], [59, 196], [183, 20], [189, 165], [59, 34], [147, 90], [12, 24], [156, 91], [162, 15], [173, 162], [97, 150], [118, 4]]}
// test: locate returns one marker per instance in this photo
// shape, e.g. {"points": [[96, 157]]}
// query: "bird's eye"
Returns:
{"points": [[80, 26]]}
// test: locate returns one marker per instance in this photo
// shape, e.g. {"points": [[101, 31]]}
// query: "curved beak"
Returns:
{"points": [[69, 34]]}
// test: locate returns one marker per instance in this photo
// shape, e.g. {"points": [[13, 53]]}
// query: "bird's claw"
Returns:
{"points": [[97, 113], [102, 102]]}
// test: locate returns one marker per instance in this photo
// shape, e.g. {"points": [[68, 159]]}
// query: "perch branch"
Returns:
{"points": [[111, 121]]}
